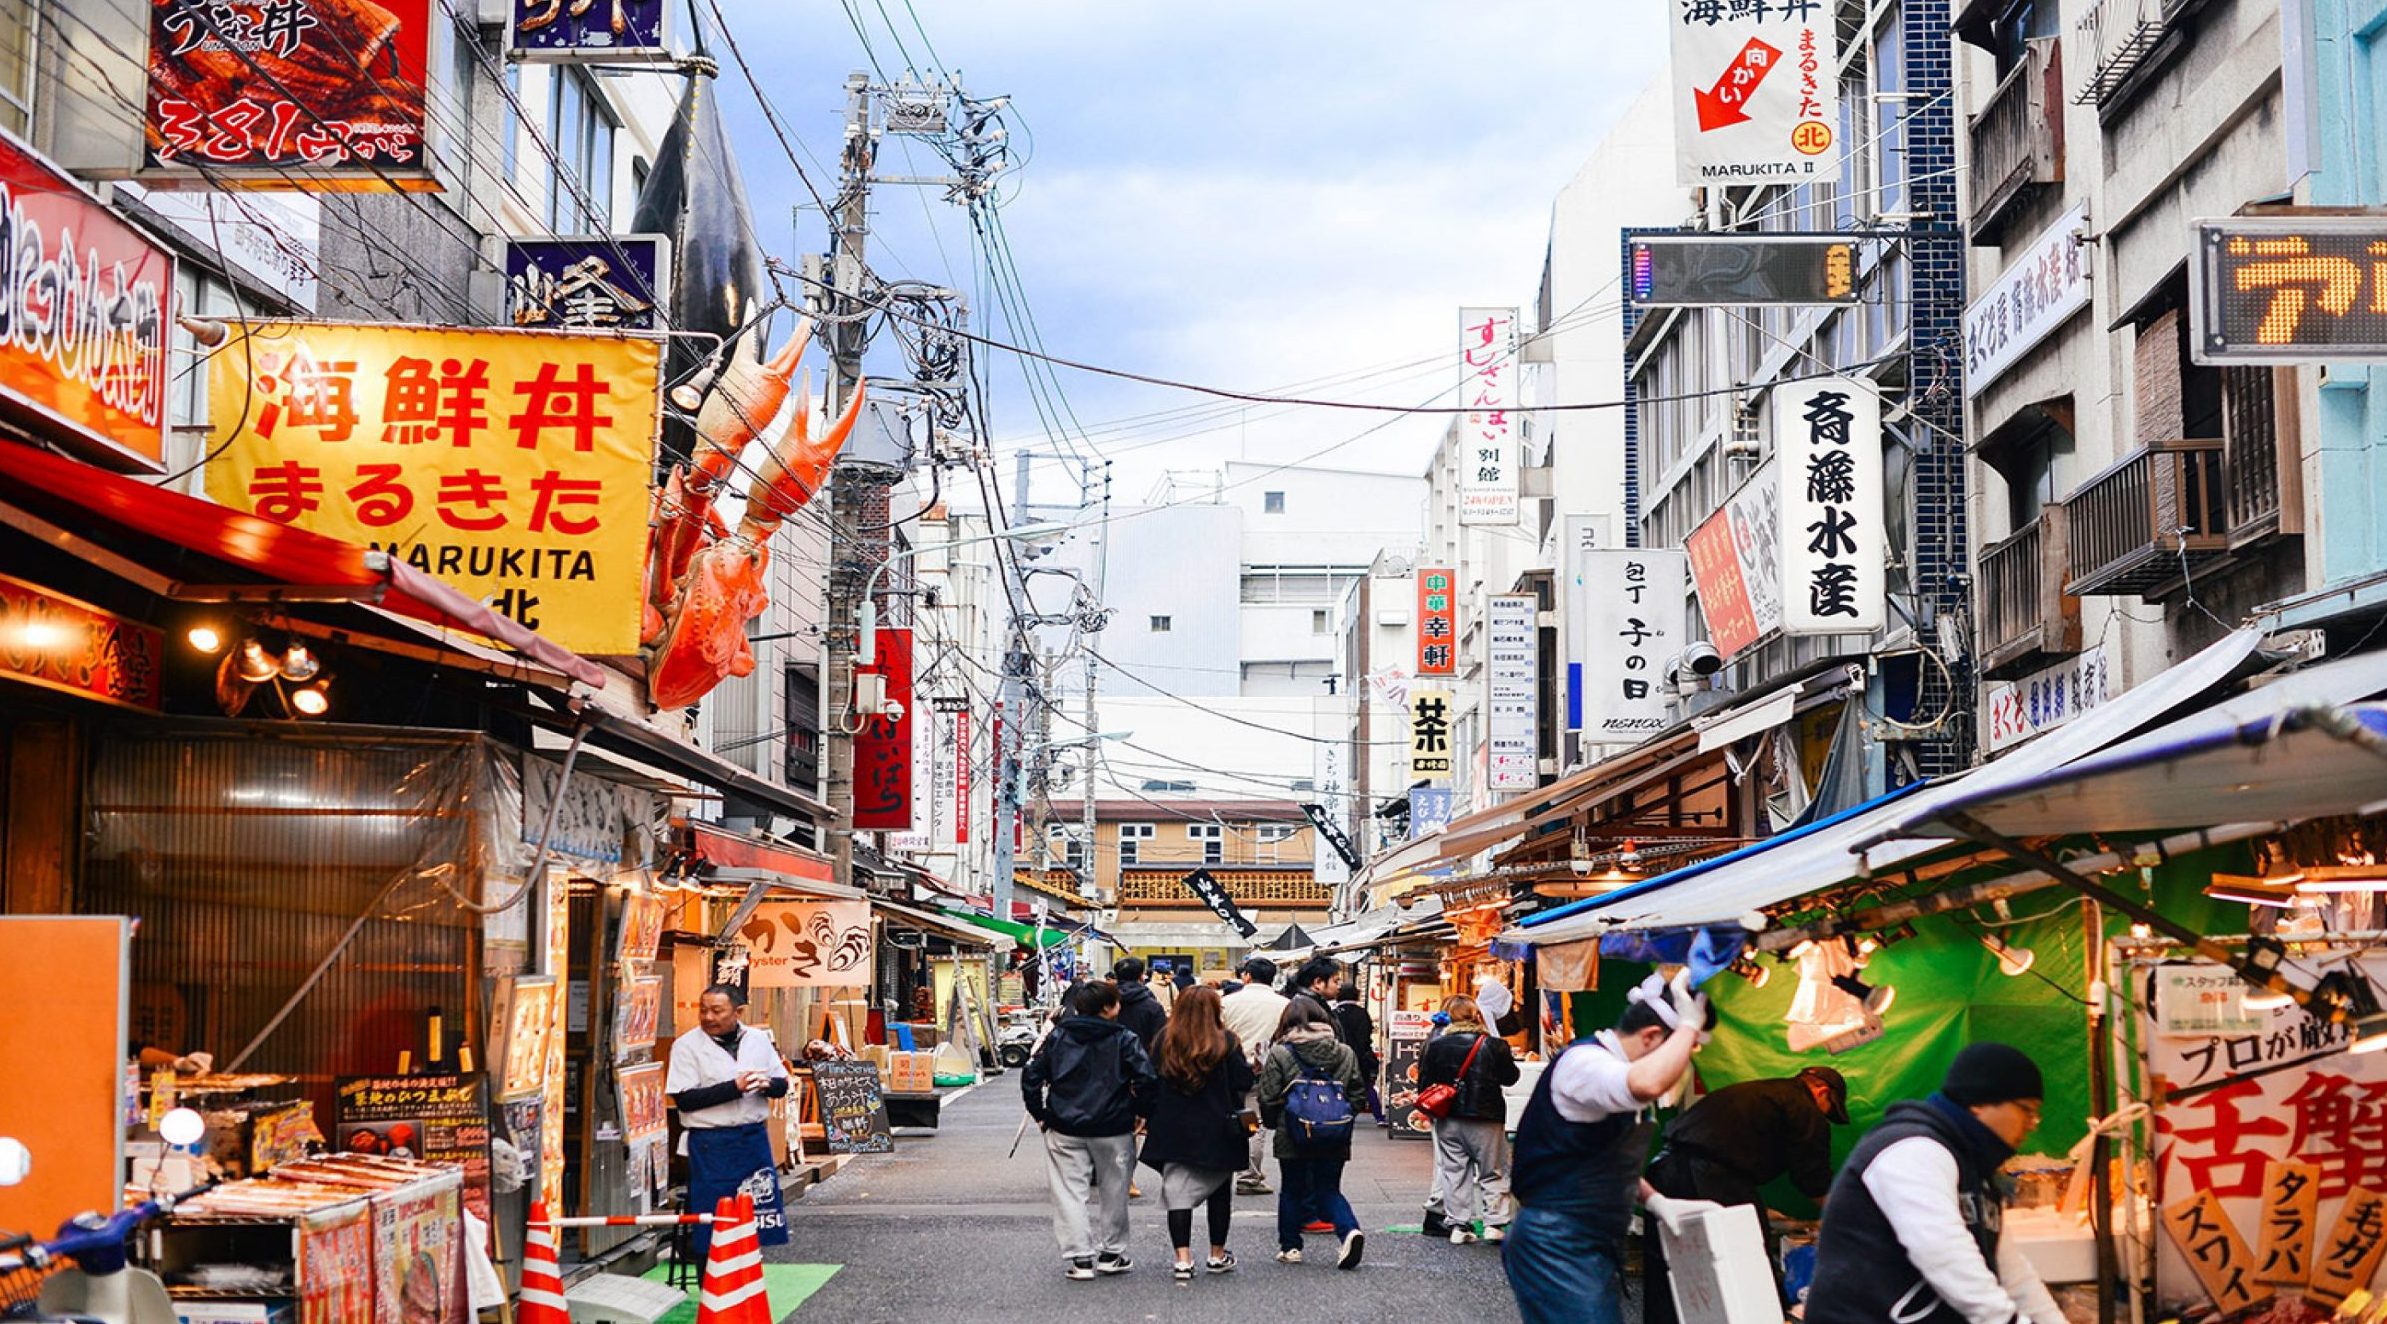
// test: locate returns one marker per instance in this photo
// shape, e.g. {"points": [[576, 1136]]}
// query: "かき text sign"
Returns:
{"points": [[512, 464]]}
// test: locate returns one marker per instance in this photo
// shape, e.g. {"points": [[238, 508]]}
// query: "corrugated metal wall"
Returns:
{"points": [[246, 852]]}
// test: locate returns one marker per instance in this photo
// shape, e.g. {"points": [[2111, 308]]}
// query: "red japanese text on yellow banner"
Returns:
{"points": [[512, 464]]}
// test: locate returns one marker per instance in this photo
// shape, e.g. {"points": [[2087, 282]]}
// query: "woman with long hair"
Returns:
{"points": [[1196, 1136], [1471, 1139], [1308, 1053]]}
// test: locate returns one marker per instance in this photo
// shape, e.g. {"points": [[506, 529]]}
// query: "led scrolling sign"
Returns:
{"points": [[2289, 289]]}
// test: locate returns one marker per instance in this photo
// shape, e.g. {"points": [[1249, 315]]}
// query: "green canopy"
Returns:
{"points": [[1025, 933]]}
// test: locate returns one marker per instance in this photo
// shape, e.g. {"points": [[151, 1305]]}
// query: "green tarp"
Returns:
{"points": [[1023, 933]]}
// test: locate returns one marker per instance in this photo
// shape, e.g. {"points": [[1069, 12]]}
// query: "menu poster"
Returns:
{"points": [[643, 1118], [637, 1013], [525, 1008], [519, 1122], [1405, 1044], [335, 1265], [642, 927], [282, 1135], [437, 1119], [853, 1111], [418, 1254]]}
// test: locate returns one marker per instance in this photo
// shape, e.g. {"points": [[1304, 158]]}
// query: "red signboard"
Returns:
{"points": [[83, 314], [961, 777], [1437, 622], [883, 750], [61, 644], [312, 94], [1723, 593]]}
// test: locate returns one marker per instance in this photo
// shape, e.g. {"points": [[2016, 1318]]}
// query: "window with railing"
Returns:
{"points": [[2265, 489]]}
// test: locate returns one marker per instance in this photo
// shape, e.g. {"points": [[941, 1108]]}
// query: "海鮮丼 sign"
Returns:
{"points": [[1756, 91]]}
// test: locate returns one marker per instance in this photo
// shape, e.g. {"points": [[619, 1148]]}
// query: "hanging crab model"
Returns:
{"points": [[705, 580]]}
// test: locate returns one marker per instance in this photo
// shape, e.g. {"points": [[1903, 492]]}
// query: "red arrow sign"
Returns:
{"points": [[1720, 106]]}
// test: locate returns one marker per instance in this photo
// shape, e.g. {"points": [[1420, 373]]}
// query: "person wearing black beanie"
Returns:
{"points": [[1911, 1228]]}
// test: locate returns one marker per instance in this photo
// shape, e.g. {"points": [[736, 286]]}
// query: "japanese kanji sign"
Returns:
{"points": [[599, 283], [512, 464], [2202, 1231], [1626, 618], [1512, 707], [1736, 564], [1437, 622], [615, 31], [83, 315], [436, 1119], [2035, 294], [819, 942], [1486, 442], [2349, 1256], [59, 643], [1430, 719], [2290, 1209], [1203, 884], [1757, 91], [883, 749], [1827, 437], [312, 94]]}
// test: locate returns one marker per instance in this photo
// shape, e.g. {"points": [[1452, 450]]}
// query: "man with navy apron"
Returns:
{"points": [[723, 1077], [1576, 1169]]}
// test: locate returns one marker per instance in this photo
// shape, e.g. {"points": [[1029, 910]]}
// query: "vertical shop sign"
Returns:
{"points": [[1328, 758], [580, 31], [1736, 564], [1631, 622], [1512, 673], [1429, 810], [1486, 449], [1204, 885], [587, 282], [1756, 91], [950, 812], [513, 464], [1437, 622], [1430, 720], [1827, 437], [883, 751], [961, 774], [309, 94], [83, 314]]}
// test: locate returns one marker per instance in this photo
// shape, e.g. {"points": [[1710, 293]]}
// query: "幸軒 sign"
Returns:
{"points": [[1756, 91], [1437, 621], [1827, 436], [512, 464], [1485, 446]]}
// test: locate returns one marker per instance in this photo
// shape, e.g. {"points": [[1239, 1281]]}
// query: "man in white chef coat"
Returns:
{"points": [[723, 1077]]}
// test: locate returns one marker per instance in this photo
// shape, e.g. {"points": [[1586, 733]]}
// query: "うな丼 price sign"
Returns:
{"points": [[512, 464], [2289, 289]]}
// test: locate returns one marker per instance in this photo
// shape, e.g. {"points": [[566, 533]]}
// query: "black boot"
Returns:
{"points": [[1436, 1225]]}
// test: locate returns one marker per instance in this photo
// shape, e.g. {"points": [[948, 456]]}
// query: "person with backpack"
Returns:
{"points": [[1086, 1085], [1459, 1077], [1310, 1091], [1196, 1136]]}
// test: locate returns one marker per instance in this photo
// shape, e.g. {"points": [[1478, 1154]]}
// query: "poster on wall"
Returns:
{"points": [[437, 1119], [1627, 617], [1487, 454], [335, 1264], [883, 749], [418, 1253], [512, 464], [1736, 564], [526, 1009], [818, 942], [637, 1016], [642, 1104], [642, 928], [1406, 1034], [325, 95], [1835, 541]]}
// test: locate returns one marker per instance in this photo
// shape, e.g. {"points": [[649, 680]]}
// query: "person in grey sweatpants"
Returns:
{"points": [[1471, 1138], [1086, 1085]]}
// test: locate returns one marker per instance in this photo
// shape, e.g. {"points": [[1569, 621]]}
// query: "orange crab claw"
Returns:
{"points": [[796, 470]]}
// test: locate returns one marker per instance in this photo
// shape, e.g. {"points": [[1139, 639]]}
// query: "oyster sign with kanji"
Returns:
{"points": [[512, 464]]}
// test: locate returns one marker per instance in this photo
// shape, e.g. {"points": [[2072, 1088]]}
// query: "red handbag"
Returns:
{"points": [[1435, 1100]]}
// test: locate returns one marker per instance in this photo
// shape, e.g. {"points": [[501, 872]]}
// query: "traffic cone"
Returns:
{"points": [[542, 1299], [732, 1292]]}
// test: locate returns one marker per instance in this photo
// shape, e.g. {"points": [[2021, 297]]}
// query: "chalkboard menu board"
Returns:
{"points": [[437, 1119], [1405, 1042], [853, 1112]]}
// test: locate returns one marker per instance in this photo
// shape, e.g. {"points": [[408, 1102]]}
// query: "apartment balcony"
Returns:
{"points": [[2157, 515], [2026, 617], [2017, 139]]}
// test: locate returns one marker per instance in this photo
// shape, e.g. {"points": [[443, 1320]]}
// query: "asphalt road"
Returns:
{"points": [[947, 1228]]}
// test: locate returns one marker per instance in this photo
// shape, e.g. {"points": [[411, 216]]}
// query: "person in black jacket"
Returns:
{"points": [[1195, 1138], [1138, 1009], [1471, 1140], [1317, 982], [1359, 1031], [1086, 1085]]}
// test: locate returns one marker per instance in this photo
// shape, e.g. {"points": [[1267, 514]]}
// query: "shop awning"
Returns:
{"points": [[906, 917], [1750, 719], [2302, 747], [1020, 933], [1733, 888], [38, 490]]}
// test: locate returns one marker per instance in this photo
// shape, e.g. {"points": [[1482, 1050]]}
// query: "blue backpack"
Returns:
{"points": [[1317, 1113]]}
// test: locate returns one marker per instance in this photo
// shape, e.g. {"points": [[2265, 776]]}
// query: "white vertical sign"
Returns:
{"points": [[1827, 434], [1756, 92], [1328, 760], [1511, 700], [1487, 440], [1631, 607]]}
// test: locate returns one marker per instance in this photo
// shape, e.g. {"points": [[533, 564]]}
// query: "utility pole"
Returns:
{"points": [[852, 554], [1016, 664], [1090, 886]]}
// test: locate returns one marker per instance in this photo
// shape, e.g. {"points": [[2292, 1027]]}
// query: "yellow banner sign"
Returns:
{"points": [[1430, 718], [513, 464]]}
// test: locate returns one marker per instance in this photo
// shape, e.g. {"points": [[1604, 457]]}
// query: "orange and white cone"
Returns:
{"points": [[542, 1300], [732, 1292]]}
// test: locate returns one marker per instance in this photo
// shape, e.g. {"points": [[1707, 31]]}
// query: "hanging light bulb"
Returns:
{"points": [[2012, 961], [253, 664], [204, 638], [310, 701], [299, 664]]}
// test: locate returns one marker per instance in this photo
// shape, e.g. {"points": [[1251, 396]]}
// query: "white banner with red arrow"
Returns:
{"points": [[1757, 98]]}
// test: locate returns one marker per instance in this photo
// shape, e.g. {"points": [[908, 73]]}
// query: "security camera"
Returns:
{"points": [[1581, 865], [1702, 659], [893, 712]]}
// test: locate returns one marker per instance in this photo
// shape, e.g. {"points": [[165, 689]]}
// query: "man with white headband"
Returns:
{"points": [[1577, 1163]]}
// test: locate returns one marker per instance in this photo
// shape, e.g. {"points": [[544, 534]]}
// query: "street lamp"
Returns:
{"points": [[867, 648]]}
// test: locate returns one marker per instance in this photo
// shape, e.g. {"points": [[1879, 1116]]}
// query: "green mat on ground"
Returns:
{"points": [[789, 1285]]}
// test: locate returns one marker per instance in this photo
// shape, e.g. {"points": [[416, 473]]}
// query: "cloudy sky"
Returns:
{"points": [[1244, 195]]}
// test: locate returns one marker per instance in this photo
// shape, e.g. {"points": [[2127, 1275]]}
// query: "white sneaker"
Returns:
{"points": [[1288, 1257], [1460, 1236], [1352, 1246], [1495, 1232]]}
